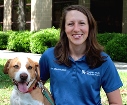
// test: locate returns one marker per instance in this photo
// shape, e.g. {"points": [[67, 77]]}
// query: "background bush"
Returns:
{"points": [[43, 39], [117, 48], [3, 40], [104, 38], [19, 41]]}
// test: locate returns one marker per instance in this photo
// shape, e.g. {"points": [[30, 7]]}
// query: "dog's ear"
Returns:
{"points": [[5, 70], [37, 70]]}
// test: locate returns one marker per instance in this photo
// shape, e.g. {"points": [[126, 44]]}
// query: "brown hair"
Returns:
{"points": [[93, 48]]}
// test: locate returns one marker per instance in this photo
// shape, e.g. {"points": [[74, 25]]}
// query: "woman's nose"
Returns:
{"points": [[76, 27]]}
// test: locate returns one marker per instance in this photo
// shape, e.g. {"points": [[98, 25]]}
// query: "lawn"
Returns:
{"points": [[6, 87]]}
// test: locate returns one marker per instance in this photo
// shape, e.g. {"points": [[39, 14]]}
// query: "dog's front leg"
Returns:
{"points": [[14, 100]]}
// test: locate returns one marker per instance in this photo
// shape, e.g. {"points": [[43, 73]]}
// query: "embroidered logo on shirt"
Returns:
{"points": [[58, 69], [91, 73]]}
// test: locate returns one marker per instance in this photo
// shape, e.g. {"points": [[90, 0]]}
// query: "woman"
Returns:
{"points": [[77, 66]]}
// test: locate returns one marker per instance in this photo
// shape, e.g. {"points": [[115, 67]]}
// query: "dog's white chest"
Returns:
{"points": [[23, 99]]}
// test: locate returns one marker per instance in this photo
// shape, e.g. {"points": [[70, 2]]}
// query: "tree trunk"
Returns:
{"points": [[21, 13]]}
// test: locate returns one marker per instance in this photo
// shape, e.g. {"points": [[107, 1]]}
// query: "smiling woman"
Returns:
{"points": [[88, 67]]}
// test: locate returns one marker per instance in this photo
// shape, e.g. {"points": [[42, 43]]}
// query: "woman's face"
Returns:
{"points": [[76, 27]]}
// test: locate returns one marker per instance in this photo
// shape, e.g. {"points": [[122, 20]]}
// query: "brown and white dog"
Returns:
{"points": [[25, 75]]}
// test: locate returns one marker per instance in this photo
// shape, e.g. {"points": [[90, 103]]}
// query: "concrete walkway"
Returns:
{"points": [[4, 54]]}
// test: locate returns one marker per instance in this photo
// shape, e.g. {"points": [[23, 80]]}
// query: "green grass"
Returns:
{"points": [[6, 87]]}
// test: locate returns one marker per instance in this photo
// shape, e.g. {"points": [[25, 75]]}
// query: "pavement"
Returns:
{"points": [[5, 54]]}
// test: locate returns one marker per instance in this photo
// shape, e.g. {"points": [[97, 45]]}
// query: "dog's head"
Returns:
{"points": [[23, 71]]}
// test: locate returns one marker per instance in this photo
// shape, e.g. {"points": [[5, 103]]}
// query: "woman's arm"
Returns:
{"points": [[114, 97]]}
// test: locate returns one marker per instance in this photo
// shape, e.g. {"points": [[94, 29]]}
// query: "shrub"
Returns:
{"points": [[19, 41], [3, 40], [104, 38], [43, 39], [117, 48]]}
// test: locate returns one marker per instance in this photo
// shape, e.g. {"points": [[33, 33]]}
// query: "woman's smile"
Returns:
{"points": [[77, 36]]}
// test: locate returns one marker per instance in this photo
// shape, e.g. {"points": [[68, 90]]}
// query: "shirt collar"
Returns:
{"points": [[83, 58]]}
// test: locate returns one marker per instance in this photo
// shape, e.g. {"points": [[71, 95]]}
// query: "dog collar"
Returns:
{"points": [[31, 89]]}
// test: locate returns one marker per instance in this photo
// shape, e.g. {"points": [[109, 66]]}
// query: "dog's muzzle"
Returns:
{"points": [[22, 84]]}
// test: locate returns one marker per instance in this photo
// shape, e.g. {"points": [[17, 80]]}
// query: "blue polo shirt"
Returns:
{"points": [[78, 84]]}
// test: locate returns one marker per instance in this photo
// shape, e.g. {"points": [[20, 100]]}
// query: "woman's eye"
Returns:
{"points": [[70, 24], [82, 23], [29, 67], [16, 66]]}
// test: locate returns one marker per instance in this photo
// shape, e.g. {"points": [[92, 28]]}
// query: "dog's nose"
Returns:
{"points": [[23, 76]]}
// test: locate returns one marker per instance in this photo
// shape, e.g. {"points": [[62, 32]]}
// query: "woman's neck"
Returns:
{"points": [[76, 52]]}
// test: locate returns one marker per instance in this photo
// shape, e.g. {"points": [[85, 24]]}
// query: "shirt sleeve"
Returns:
{"points": [[44, 67], [111, 80]]}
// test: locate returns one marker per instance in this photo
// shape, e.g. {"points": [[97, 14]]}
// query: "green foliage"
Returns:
{"points": [[104, 38], [19, 41], [3, 40], [115, 45], [43, 39], [3, 77], [117, 48]]}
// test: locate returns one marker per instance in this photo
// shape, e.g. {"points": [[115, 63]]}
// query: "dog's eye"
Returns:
{"points": [[29, 67], [16, 66]]}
